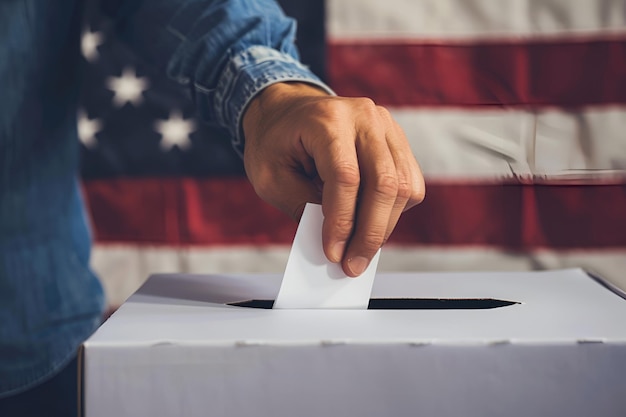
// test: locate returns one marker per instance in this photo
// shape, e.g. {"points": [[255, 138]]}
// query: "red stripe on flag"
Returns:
{"points": [[518, 217], [561, 73], [228, 212], [184, 211]]}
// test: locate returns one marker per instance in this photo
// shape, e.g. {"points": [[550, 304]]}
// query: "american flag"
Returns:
{"points": [[515, 110]]}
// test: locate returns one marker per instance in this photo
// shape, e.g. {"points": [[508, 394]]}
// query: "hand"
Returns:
{"points": [[303, 145]]}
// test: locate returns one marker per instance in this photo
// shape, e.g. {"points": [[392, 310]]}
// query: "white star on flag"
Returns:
{"points": [[175, 131], [87, 129], [89, 44], [128, 88]]}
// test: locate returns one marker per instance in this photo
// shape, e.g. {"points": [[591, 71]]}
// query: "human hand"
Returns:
{"points": [[303, 145]]}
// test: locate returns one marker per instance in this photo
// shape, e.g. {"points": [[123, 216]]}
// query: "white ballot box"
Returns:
{"points": [[549, 343]]}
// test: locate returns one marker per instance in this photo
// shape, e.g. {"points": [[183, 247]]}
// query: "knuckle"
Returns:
{"points": [[420, 191], [384, 113], [373, 240], [329, 109], [366, 107], [405, 189], [347, 175], [366, 103], [386, 185], [419, 195], [344, 224]]}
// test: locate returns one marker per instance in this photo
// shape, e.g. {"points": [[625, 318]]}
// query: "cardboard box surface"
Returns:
{"points": [[177, 349]]}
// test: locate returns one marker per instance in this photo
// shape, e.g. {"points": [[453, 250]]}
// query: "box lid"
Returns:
{"points": [[561, 306]]}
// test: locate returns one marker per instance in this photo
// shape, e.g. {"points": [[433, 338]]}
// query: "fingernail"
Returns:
{"points": [[357, 265], [338, 249]]}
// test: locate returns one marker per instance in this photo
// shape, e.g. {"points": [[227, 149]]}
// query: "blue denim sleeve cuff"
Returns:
{"points": [[245, 75]]}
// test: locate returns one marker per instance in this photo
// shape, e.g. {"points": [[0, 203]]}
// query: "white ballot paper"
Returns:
{"points": [[312, 281]]}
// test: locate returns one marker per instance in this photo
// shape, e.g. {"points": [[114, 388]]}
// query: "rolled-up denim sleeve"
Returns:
{"points": [[224, 51]]}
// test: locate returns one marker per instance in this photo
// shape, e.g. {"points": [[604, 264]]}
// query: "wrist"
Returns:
{"points": [[273, 97]]}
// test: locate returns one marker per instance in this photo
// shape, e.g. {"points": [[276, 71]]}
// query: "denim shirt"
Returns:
{"points": [[223, 52]]}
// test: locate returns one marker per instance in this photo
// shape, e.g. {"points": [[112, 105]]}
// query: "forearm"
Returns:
{"points": [[224, 51]]}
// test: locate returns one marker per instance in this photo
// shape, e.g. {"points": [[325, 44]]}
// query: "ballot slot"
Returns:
{"points": [[408, 303]]}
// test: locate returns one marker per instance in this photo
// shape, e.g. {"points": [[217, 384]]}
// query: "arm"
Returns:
{"points": [[223, 51], [302, 143]]}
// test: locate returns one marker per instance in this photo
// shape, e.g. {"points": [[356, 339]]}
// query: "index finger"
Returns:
{"points": [[338, 168], [377, 198]]}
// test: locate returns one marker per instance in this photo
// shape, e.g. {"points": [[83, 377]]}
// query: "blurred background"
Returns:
{"points": [[515, 110]]}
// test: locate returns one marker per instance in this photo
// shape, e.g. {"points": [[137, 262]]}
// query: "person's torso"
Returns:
{"points": [[49, 299], [39, 72]]}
